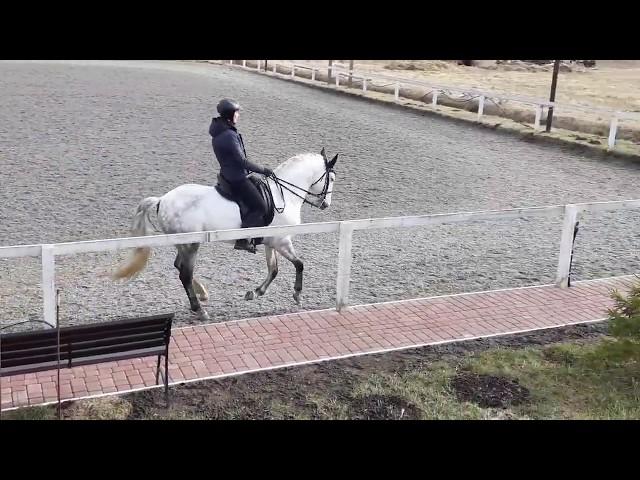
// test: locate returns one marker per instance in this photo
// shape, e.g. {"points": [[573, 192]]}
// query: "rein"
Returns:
{"points": [[282, 185]]}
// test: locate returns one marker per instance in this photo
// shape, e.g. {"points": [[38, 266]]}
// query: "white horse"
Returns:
{"points": [[305, 178]]}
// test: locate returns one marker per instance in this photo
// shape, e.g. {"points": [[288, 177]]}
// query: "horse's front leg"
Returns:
{"points": [[285, 248], [185, 263], [272, 266]]}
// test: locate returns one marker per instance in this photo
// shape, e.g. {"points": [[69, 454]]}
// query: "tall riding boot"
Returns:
{"points": [[245, 244]]}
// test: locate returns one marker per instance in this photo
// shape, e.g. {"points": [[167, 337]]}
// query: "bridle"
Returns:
{"points": [[284, 185]]}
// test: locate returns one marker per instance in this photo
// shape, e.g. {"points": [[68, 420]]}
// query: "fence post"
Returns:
{"points": [[566, 245], [244, 63], [613, 130], [275, 69], [480, 106], [258, 65], [434, 99], [49, 284], [344, 265], [350, 73], [538, 117], [293, 71], [396, 93], [329, 72], [313, 74], [337, 79], [364, 85]]}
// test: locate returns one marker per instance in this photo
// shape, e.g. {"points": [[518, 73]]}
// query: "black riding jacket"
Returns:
{"points": [[229, 150]]}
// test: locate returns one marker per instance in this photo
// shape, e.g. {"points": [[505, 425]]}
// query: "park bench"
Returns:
{"points": [[29, 352]]}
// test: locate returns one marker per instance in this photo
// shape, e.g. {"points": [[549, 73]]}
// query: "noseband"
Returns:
{"points": [[282, 184]]}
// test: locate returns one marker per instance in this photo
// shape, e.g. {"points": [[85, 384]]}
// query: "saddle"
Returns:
{"points": [[224, 189]]}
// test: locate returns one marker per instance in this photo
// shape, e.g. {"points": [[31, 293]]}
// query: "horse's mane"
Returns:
{"points": [[290, 162]]}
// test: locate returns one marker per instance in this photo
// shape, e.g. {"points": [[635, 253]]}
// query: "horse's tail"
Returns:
{"points": [[141, 226]]}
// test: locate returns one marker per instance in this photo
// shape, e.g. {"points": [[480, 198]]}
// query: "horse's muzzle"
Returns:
{"points": [[323, 205]]}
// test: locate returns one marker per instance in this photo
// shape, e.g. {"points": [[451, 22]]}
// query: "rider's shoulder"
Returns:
{"points": [[228, 133]]}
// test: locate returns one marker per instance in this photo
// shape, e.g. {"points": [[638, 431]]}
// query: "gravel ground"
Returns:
{"points": [[82, 143]]}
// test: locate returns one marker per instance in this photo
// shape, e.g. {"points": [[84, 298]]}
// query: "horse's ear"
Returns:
{"points": [[333, 161], [324, 155]]}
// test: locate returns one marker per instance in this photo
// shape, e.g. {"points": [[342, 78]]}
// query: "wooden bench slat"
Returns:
{"points": [[51, 347], [25, 340], [79, 352], [104, 326], [53, 365], [28, 352], [36, 343]]}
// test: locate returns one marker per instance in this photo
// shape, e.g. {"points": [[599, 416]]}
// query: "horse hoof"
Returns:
{"points": [[250, 295], [296, 297], [203, 315]]}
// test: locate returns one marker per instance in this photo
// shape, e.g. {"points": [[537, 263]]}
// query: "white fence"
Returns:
{"points": [[49, 252], [339, 70]]}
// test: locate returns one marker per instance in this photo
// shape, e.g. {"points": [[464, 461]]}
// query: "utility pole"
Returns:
{"points": [[552, 96]]}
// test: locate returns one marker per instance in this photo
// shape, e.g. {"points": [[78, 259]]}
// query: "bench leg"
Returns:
{"points": [[158, 370]]}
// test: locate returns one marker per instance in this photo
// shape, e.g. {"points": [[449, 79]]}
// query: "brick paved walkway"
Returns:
{"points": [[222, 349]]}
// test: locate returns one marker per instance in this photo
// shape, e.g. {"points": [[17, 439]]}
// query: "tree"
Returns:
{"points": [[625, 315]]}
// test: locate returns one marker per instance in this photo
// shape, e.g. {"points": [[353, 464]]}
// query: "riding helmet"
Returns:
{"points": [[227, 107]]}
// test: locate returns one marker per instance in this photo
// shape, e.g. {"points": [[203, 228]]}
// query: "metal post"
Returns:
{"points": [[49, 285], [244, 63], [538, 117], [480, 106], [58, 353], [293, 71], [337, 79], [1, 381], [396, 93], [552, 96], [275, 70], [329, 71], [613, 131], [575, 234], [434, 99], [313, 74], [350, 73], [364, 85], [566, 245], [258, 65], [344, 265]]}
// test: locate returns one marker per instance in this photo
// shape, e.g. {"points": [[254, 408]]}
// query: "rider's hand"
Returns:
{"points": [[268, 172]]}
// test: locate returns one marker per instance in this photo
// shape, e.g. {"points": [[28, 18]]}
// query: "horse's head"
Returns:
{"points": [[308, 174], [321, 188]]}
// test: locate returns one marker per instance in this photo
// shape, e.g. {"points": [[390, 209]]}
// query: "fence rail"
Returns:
{"points": [[340, 70], [345, 229]]}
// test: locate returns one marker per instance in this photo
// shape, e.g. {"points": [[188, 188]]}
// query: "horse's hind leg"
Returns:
{"points": [[178, 261], [186, 261], [272, 265], [198, 287]]}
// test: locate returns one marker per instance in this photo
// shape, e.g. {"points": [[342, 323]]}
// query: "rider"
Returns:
{"points": [[234, 166]]}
